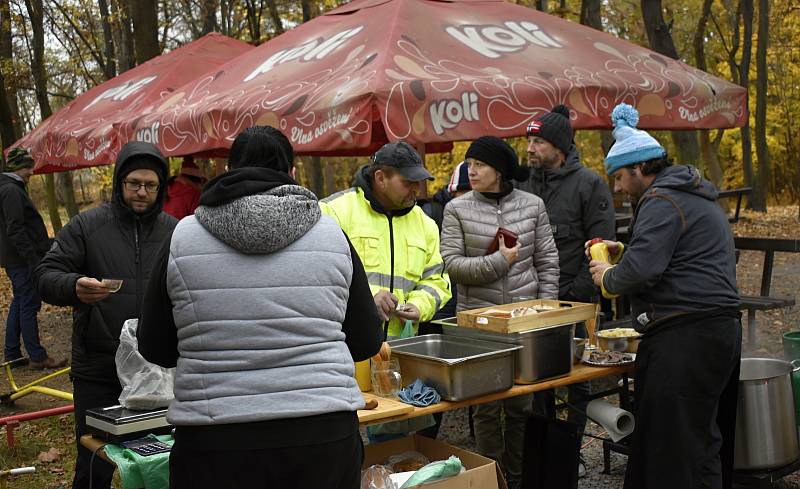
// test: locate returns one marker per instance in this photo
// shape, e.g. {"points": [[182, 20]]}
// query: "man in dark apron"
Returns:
{"points": [[679, 271]]}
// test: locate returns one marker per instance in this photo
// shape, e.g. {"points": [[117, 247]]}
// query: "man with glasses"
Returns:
{"points": [[98, 248]]}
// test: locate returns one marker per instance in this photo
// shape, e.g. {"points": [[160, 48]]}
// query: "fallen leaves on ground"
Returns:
{"points": [[50, 455]]}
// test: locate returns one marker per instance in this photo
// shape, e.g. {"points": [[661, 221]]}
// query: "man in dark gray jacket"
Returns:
{"points": [[679, 272], [117, 240], [580, 208], [23, 242]]}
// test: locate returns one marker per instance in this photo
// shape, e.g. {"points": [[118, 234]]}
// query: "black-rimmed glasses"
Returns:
{"points": [[133, 186]]}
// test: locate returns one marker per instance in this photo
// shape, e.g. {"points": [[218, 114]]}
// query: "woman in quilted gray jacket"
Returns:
{"points": [[529, 268]]}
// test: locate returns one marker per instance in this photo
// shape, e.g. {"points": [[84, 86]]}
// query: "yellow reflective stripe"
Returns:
{"points": [[384, 280], [338, 194], [433, 292]]}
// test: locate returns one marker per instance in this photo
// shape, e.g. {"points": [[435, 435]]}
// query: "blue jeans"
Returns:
{"points": [[21, 319]]}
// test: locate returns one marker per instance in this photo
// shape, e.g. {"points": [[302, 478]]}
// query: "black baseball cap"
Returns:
{"points": [[404, 158]]}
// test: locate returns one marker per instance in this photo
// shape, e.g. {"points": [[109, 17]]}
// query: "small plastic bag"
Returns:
{"points": [[377, 477], [408, 329], [145, 385]]}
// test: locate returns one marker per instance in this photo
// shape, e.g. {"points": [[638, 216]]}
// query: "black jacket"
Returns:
{"points": [[680, 259], [580, 208], [23, 236], [434, 207], [109, 241]]}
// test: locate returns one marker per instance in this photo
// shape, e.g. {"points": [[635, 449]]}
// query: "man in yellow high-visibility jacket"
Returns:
{"points": [[397, 243]]}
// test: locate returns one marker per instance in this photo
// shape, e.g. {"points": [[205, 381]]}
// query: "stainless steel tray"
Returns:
{"points": [[547, 352], [458, 368]]}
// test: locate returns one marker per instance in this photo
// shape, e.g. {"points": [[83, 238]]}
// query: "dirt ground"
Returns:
{"points": [[36, 439]]}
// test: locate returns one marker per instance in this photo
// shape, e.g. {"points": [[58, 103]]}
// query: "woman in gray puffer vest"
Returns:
{"points": [[262, 305], [530, 268]]}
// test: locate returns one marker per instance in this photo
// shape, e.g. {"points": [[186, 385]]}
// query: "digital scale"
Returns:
{"points": [[117, 423]]}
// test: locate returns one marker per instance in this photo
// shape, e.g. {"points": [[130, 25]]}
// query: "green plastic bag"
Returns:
{"points": [[136, 471], [408, 329], [435, 471]]}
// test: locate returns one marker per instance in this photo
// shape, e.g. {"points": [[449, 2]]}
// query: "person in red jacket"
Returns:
{"points": [[183, 190]]}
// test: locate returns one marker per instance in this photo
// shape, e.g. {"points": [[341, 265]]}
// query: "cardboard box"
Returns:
{"points": [[481, 472]]}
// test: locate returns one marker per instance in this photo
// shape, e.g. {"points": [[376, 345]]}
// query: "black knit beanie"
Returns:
{"points": [[499, 155], [142, 162], [554, 127]]}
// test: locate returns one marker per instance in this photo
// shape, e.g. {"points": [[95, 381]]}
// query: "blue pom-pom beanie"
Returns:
{"points": [[632, 145]]}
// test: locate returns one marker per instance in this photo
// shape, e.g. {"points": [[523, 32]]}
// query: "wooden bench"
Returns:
{"points": [[737, 193], [764, 301]]}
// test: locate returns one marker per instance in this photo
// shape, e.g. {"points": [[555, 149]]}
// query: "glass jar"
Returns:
{"points": [[385, 376]]}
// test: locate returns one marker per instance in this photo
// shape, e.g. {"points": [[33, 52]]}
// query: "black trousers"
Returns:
{"points": [[687, 380], [88, 395], [334, 465]]}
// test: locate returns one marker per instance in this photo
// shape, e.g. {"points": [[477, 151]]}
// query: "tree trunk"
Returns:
{"points": [[10, 127], [126, 58], [52, 202], [224, 17], [275, 16], [707, 151], [540, 5], [315, 177], [764, 178], [165, 29], [36, 15], [209, 13], [253, 15], [68, 193], [308, 14], [330, 177], [744, 81], [83, 188], [660, 39], [37, 66], [7, 136], [145, 30], [108, 41], [590, 14]]}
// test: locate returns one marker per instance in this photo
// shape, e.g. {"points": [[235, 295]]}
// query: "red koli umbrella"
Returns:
{"points": [[432, 72], [81, 133]]}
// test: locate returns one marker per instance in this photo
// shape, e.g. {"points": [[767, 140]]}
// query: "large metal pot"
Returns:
{"points": [[766, 437]]}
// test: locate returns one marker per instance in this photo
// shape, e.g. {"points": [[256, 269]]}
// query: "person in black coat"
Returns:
{"points": [[580, 207], [118, 241], [23, 242]]}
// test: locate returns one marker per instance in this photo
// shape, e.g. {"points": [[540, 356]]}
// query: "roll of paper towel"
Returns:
{"points": [[618, 422]]}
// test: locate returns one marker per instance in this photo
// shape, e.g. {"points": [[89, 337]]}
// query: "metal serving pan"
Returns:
{"points": [[546, 353], [458, 368]]}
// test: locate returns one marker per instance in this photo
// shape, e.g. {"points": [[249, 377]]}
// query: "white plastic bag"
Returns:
{"points": [[145, 385]]}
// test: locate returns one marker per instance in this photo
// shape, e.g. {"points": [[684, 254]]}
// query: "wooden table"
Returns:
{"points": [[764, 301], [580, 373], [394, 410]]}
